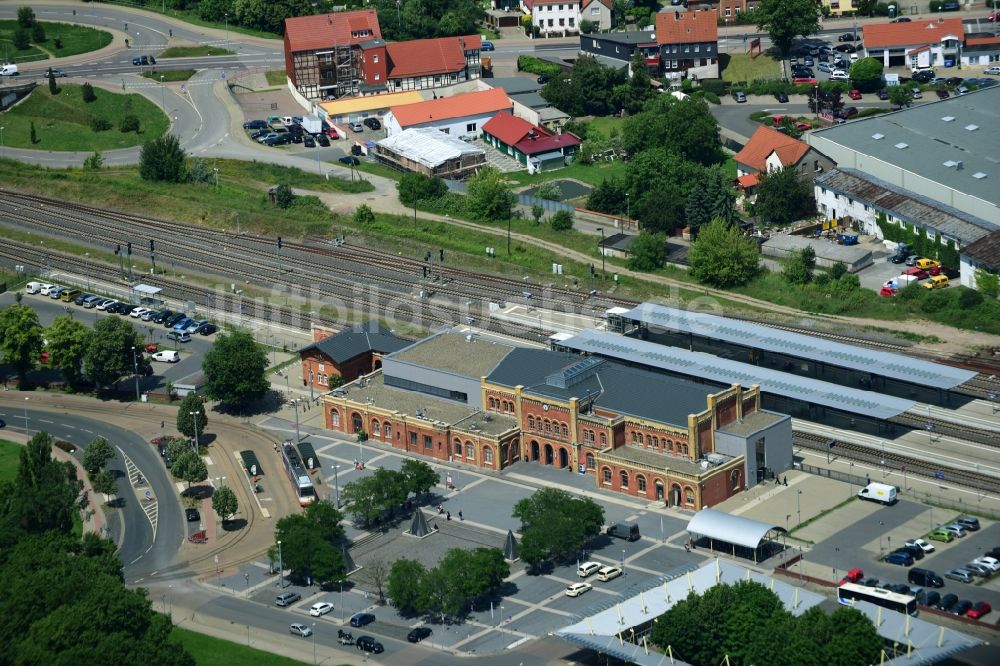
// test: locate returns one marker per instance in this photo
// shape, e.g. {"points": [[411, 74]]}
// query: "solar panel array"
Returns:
{"points": [[723, 371], [880, 363]]}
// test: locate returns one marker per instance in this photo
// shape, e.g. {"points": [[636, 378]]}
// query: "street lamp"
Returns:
{"points": [[628, 211], [135, 367], [601, 229], [798, 505], [295, 404], [314, 642], [227, 27], [163, 93], [1, 139], [26, 415], [880, 525], [216, 170], [197, 446], [336, 485], [281, 569]]}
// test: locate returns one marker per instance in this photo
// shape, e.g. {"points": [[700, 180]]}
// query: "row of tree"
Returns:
{"points": [[64, 598], [449, 588], [377, 497]]}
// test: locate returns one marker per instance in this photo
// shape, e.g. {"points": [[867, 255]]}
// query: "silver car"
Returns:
{"points": [[961, 575]]}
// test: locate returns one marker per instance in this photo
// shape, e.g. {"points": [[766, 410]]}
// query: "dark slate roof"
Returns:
{"points": [[620, 242], [634, 37], [909, 206], [615, 387], [986, 250], [357, 340]]}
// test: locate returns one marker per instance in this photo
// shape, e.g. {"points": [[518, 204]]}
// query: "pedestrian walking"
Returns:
{"points": [[784, 481], [448, 515], [460, 516]]}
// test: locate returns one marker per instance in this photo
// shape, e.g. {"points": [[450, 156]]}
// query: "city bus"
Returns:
{"points": [[297, 474], [848, 593]]}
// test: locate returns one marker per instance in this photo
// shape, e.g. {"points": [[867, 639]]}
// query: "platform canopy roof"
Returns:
{"points": [[799, 345], [727, 372], [722, 526], [146, 290]]}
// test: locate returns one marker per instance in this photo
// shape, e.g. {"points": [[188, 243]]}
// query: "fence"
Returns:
{"points": [[547, 204]]}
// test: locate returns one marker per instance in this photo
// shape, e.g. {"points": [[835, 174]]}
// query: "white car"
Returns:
{"points": [[138, 312], [46, 288], [588, 569], [322, 608], [166, 356], [576, 589], [103, 305], [921, 544], [609, 572], [992, 70], [991, 563], [839, 76]]}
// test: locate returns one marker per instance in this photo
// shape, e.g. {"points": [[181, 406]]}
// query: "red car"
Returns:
{"points": [[854, 94], [918, 273], [853, 576], [803, 127], [803, 80], [887, 291], [979, 609], [993, 17]]}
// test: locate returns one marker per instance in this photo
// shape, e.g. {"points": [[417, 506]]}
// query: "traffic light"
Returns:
{"points": [[151, 246]]}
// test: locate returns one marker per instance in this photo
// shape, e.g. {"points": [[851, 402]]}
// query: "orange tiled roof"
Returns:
{"points": [[322, 31], [686, 27], [915, 33], [749, 180], [981, 41], [430, 56], [766, 141], [444, 108], [509, 128]]}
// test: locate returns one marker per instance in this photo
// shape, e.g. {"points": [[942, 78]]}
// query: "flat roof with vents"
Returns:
{"points": [[759, 336], [727, 372]]}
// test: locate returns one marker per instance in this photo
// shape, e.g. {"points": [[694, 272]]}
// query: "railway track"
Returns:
{"points": [[897, 461], [951, 428]]}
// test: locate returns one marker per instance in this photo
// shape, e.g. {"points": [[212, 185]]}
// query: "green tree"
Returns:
{"points": [[549, 191], [45, 494], [900, 96], [33, 133], [405, 585], [988, 283], [192, 416], [632, 95], [486, 570], [53, 88], [416, 187], [224, 503], [647, 252], [684, 127], [67, 342], [283, 196], [561, 220], [536, 213], [94, 162], [309, 543], [190, 467], [129, 123], [377, 495], [363, 215], [608, 196], [22, 40], [783, 196], [38, 33], [97, 454], [87, 91], [867, 72], [162, 159], [20, 338], [784, 20], [659, 183], [25, 17], [722, 257], [555, 524], [113, 352], [420, 477], [490, 197], [799, 268], [105, 482], [235, 370]]}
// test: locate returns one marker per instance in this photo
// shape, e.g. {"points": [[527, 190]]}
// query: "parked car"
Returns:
{"points": [[989, 562], [781, 97], [418, 634], [942, 93], [320, 608], [854, 94], [961, 608], [994, 70], [576, 589], [608, 573], [917, 93], [487, 46], [144, 60], [308, 141], [961, 575], [182, 323], [179, 336], [956, 530], [349, 160], [369, 644], [358, 127], [968, 522], [287, 598], [901, 19], [300, 629], [254, 125], [588, 569], [941, 535], [928, 598], [263, 136], [921, 544], [848, 112], [914, 552], [739, 96], [166, 356], [947, 601], [979, 610], [361, 619], [162, 316], [848, 37], [192, 515], [923, 75], [323, 140], [56, 73], [961, 90], [839, 75], [173, 319], [977, 569], [207, 329], [824, 67], [845, 48], [902, 559], [883, 94], [106, 303]]}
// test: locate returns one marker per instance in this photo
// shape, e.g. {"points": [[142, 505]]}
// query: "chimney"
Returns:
{"points": [[677, 16]]}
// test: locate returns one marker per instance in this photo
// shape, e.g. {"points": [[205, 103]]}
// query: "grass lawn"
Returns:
{"points": [[194, 51], [604, 124], [170, 74], [377, 169], [276, 77], [210, 651], [592, 174], [62, 121], [75, 39], [741, 67], [10, 452]]}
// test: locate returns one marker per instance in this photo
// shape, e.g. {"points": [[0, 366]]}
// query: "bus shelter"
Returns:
{"points": [[735, 535]]}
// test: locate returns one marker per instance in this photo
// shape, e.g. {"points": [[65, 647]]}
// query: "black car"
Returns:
{"points": [[543, 78], [256, 134], [870, 582], [372, 123], [781, 97], [928, 598], [3, 424], [923, 76], [124, 308], [207, 329], [883, 94], [162, 316], [961, 608], [942, 94], [954, 80], [278, 139], [418, 634], [323, 140], [254, 124], [845, 48], [947, 601], [144, 60], [361, 619], [173, 319], [369, 644], [356, 150], [848, 37], [915, 552], [849, 112], [308, 141], [297, 138], [350, 160], [192, 515]]}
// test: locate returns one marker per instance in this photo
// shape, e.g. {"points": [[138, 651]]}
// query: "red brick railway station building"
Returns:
{"points": [[489, 404]]}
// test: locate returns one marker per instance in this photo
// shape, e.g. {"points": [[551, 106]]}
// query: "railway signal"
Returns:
{"points": [[152, 255]]}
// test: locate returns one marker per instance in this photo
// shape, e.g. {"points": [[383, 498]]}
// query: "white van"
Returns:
{"points": [[46, 288], [8, 70], [33, 287], [166, 356]]}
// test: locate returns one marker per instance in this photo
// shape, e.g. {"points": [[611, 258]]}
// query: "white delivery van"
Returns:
{"points": [[33, 287], [8, 70], [879, 492]]}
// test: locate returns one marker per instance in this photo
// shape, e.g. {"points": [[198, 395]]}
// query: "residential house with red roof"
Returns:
{"points": [[535, 147], [932, 42], [461, 116], [330, 56], [728, 10], [769, 150], [322, 54], [689, 45]]}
